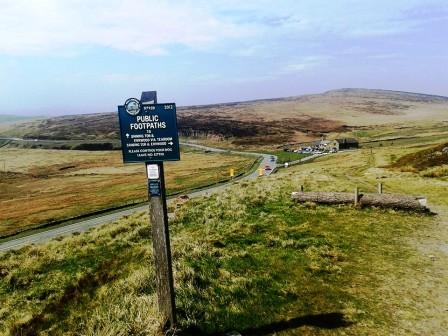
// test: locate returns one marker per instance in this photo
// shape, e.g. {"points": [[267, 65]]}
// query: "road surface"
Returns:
{"points": [[304, 159], [85, 224]]}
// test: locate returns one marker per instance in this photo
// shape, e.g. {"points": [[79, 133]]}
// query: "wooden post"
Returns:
{"points": [[380, 188], [162, 252], [356, 196], [301, 188], [158, 218]]}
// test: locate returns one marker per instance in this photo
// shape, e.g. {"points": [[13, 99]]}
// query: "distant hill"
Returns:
{"points": [[8, 118], [9, 123], [264, 121], [350, 106]]}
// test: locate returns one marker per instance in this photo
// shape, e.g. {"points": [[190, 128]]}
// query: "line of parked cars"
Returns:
{"points": [[314, 150]]}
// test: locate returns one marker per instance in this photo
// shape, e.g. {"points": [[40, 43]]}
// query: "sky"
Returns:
{"points": [[84, 56]]}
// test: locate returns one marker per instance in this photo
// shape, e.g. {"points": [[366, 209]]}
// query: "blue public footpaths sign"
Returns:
{"points": [[148, 132]]}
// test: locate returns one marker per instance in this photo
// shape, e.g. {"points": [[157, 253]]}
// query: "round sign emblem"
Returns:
{"points": [[132, 106]]}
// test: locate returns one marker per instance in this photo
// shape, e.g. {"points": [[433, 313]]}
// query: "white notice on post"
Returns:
{"points": [[153, 171]]}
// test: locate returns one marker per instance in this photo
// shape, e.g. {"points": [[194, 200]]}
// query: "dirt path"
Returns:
{"points": [[424, 289]]}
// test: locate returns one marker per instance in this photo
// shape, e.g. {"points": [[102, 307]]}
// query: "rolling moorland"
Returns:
{"points": [[264, 123], [252, 260]]}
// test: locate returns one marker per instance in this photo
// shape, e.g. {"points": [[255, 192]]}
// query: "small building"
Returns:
{"points": [[345, 143], [322, 145]]}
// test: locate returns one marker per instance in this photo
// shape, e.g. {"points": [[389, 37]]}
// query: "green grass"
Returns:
{"points": [[247, 260]]}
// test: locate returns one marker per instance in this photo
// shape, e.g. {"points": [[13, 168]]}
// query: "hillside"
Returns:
{"points": [[10, 118], [270, 121], [250, 260], [9, 121], [431, 162], [348, 106]]}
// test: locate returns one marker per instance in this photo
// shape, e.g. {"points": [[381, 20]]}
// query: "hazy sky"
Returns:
{"points": [[64, 56]]}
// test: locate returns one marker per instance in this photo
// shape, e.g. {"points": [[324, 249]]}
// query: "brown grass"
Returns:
{"points": [[424, 159], [252, 123], [44, 186]]}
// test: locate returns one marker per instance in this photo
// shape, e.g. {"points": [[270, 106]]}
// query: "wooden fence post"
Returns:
{"points": [[356, 196], [380, 188], [158, 217], [162, 252]]}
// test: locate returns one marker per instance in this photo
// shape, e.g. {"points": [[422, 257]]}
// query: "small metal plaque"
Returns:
{"points": [[154, 187]]}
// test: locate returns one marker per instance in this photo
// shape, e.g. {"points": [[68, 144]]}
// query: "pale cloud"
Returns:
{"points": [[154, 27], [386, 56], [252, 79], [148, 27], [122, 77], [303, 64]]}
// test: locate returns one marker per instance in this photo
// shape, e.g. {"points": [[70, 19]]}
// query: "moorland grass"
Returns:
{"points": [[45, 186], [248, 259], [423, 159]]}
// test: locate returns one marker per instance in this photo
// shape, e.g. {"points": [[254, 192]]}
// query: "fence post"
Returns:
{"points": [[356, 196], [380, 188]]}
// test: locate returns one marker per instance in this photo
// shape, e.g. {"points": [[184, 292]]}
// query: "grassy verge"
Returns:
{"points": [[247, 260], [283, 156]]}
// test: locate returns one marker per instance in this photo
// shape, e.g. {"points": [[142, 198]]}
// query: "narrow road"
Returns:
{"points": [[83, 225], [306, 158], [266, 157]]}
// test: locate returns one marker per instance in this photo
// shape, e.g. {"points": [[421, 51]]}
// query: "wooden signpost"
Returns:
{"points": [[149, 134]]}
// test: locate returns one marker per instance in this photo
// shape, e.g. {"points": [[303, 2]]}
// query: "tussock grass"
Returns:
{"points": [[430, 162], [248, 259], [245, 260], [441, 171], [52, 288]]}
